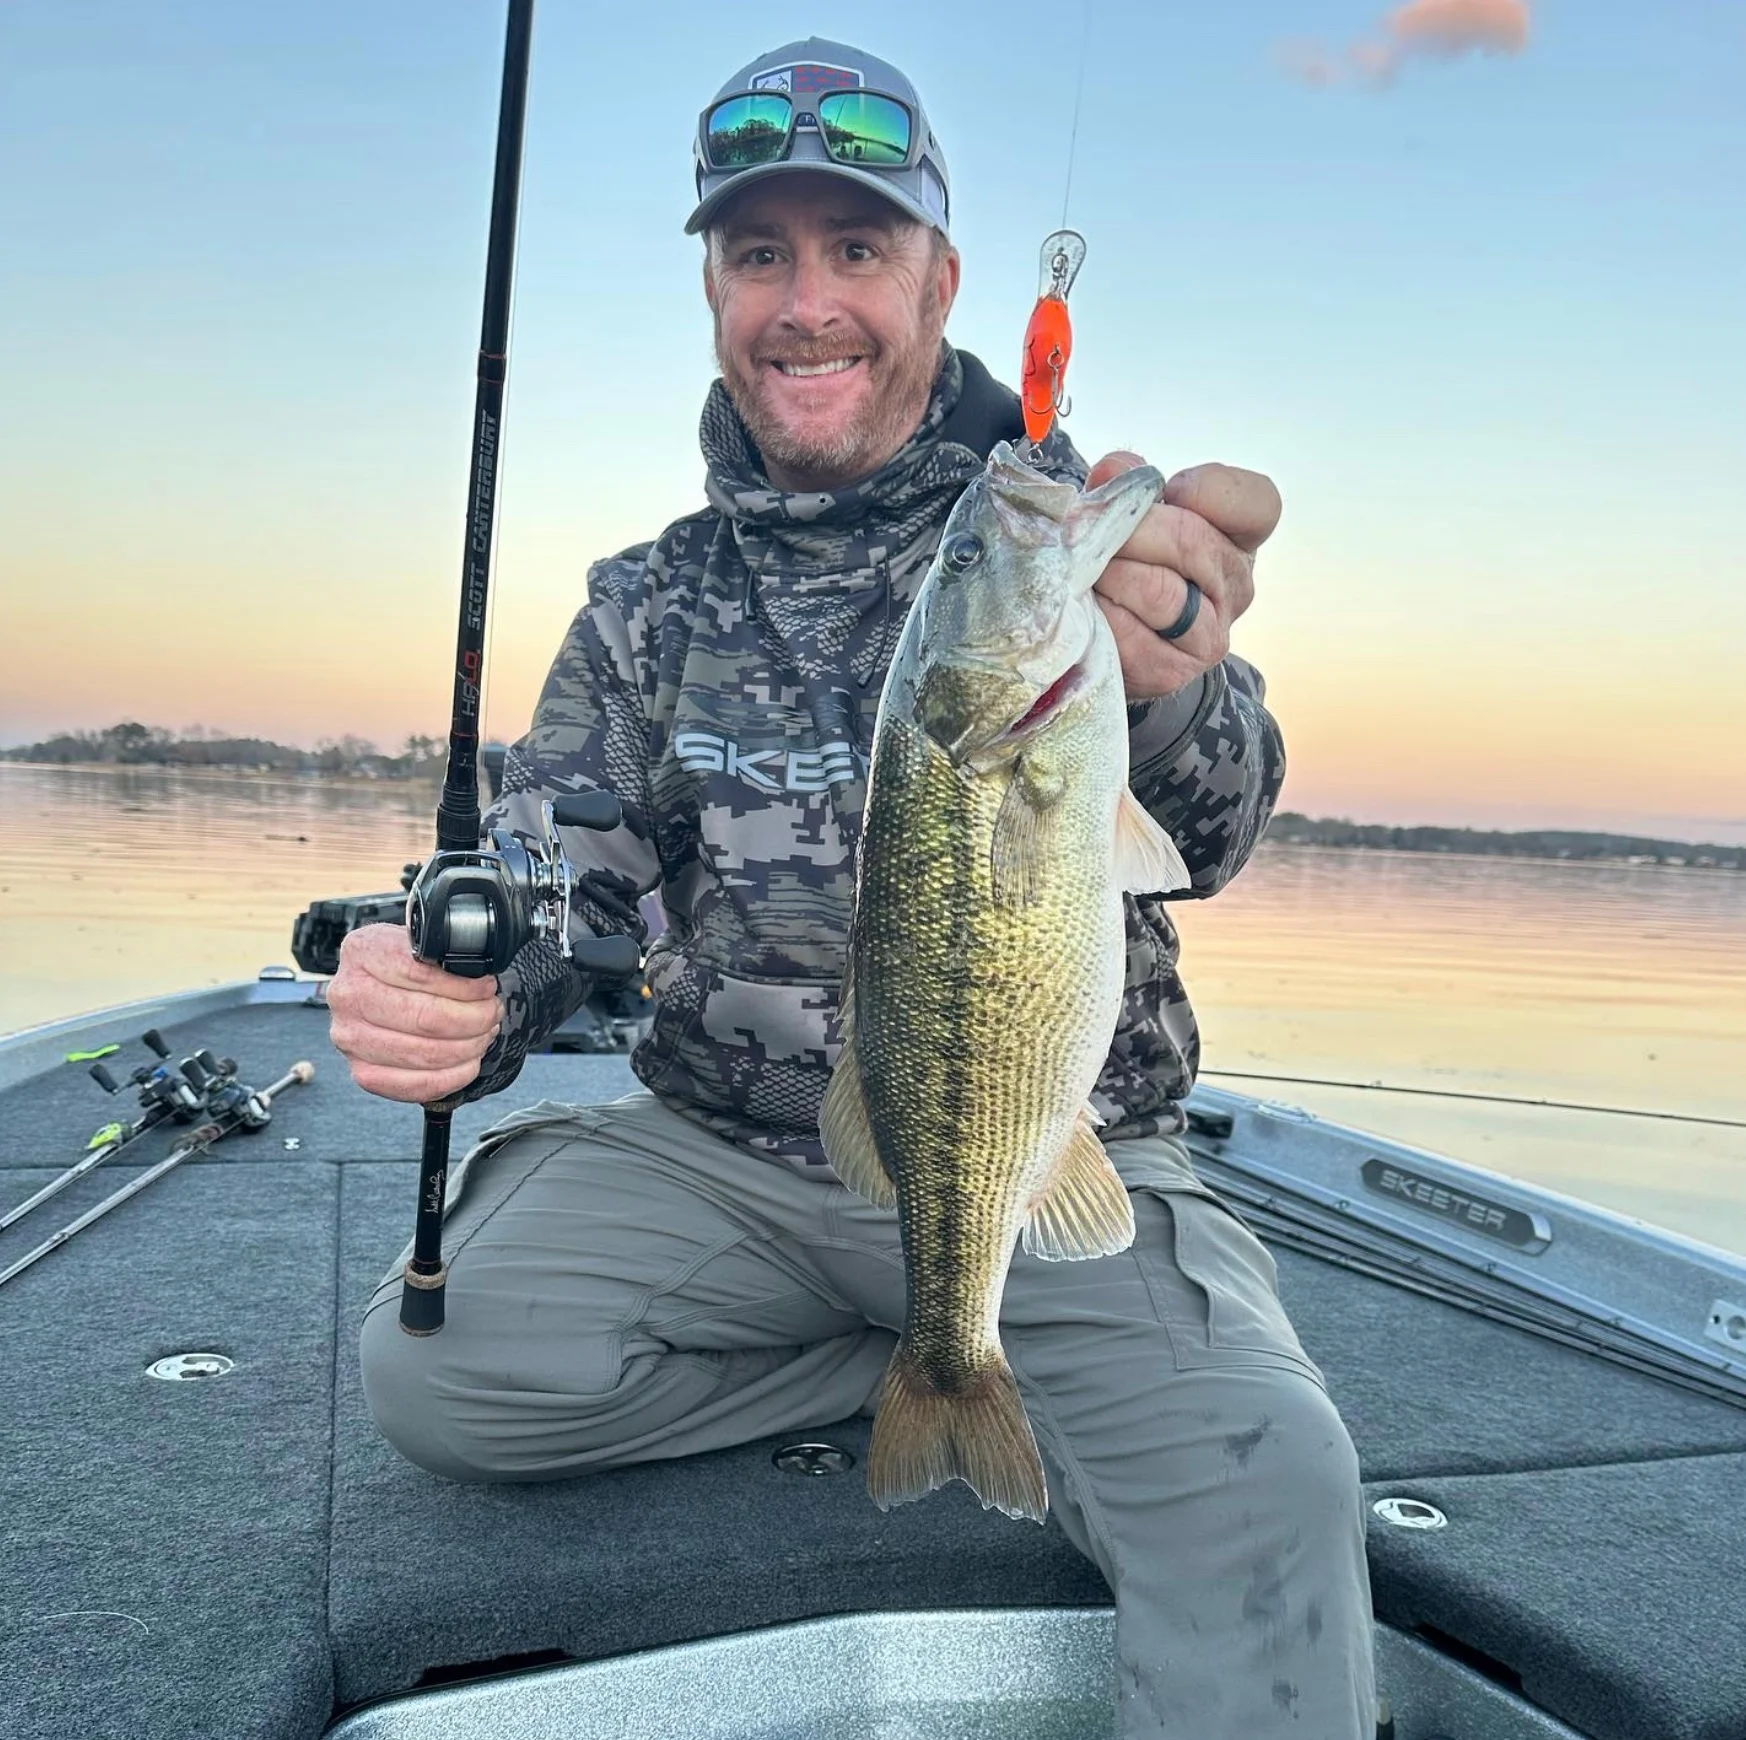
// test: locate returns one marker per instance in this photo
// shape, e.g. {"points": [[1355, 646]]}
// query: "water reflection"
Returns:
{"points": [[1611, 984], [1618, 984], [124, 882]]}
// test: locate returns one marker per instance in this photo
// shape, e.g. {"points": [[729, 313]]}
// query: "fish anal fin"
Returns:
{"points": [[1147, 860], [1025, 833], [846, 1130], [1083, 1211], [978, 1432]]}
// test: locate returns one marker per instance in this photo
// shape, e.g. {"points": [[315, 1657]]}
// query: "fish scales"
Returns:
{"points": [[957, 1087], [985, 962]]}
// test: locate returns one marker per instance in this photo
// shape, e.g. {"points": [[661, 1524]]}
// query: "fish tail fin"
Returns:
{"points": [[924, 1436]]}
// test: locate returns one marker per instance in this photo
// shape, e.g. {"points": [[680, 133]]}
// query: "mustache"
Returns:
{"points": [[810, 355]]}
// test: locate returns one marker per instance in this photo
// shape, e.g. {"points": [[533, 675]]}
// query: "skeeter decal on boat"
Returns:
{"points": [[1515, 1227]]}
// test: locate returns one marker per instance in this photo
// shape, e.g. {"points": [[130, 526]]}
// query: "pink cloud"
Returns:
{"points": [[1308, 62], [1374, 62], [1441, 27], [1453, 26]]}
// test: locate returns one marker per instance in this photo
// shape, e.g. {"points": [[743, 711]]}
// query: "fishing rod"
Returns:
{"points": [[181, 1091], [473, 907], [1382, 1087], [243, 1109]]}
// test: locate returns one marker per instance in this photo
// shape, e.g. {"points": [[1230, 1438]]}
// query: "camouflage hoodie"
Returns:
{"points": [[723, 681]]}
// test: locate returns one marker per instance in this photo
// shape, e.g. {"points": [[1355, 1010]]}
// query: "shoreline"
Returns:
{"points": [[1571, 863], [1286, 833], [235, 770]]}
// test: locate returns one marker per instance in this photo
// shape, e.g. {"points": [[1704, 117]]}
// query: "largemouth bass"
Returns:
{"points": [[986, 957]]}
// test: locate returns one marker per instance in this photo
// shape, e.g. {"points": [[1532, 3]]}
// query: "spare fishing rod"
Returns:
{"points": [[473, 907], [239, 1108], [182, 1092]]}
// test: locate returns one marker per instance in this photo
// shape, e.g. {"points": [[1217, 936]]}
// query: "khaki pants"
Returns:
{"points": [[626, 1286]]}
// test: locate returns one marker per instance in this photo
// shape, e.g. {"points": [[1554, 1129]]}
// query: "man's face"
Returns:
{"points": [[809, 272]]}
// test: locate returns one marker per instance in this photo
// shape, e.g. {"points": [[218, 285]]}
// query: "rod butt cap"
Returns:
{"points": [[421, 1301]]}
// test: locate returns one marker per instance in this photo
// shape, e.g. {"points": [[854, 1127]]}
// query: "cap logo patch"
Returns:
{"points": [[808, 79]]}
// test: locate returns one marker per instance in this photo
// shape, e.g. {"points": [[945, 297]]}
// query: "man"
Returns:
{"points": [[680, 1271]]}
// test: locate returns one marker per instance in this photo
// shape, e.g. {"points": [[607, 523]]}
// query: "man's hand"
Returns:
{"points": [[409, 1030], [1208, 526]]}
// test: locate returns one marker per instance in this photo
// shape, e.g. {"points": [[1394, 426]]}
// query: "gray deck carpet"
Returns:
{"points": [[166, 1544], [1611, 1596], [239, 1557]]}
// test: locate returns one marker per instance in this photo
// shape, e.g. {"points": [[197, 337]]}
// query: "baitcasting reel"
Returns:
{"points": [[172, 1090], [471, 913]]}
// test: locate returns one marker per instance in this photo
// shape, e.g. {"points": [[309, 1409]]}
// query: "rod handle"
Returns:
{"points": [[295, 1076], [421, 1300]]}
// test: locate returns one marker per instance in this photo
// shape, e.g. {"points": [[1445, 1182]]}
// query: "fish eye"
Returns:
{"points": [[963, 551]]}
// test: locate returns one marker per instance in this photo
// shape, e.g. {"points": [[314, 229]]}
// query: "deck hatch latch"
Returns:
{"points": [[184, 1367], [1410, 1513], [813, 1459]]}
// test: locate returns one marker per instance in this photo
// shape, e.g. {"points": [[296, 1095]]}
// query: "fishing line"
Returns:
{"points": [[1078, 99], [1381, 1087]]}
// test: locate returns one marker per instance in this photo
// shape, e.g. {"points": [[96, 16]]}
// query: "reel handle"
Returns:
{"points": [[613, 957], [587, 809]]}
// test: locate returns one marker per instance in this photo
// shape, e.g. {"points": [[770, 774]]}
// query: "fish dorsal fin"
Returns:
{"points": [[843, 1124], [1146, 858], [1083, 1210]]}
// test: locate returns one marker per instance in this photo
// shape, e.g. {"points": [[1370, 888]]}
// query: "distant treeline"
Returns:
{"points": [[1289, 828], [134, 745]]}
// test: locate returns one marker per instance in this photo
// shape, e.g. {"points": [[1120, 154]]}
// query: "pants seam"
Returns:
{"points": [[739, 1307], [1084, 1491], [508, 1196]]}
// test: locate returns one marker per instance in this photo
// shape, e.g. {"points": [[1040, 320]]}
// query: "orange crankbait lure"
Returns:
{"points": [[1049, 337]]}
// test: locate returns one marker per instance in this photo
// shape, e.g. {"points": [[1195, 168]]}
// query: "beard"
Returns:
{"points": [[901, 381]]}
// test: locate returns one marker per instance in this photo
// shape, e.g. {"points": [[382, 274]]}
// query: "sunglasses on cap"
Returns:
{"points": [[862, 129]]}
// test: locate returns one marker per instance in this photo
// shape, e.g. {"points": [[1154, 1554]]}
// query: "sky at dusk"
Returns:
{"points": [[1465, 277]]}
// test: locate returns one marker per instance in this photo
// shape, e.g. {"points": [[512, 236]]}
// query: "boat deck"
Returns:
{"points": [[243, 1556]]}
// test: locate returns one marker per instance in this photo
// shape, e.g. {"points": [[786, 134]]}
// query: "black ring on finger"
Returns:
{"points": [[1190, 610]]}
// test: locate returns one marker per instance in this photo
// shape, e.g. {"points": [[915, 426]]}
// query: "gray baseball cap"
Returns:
{"points": [[808, 70]]}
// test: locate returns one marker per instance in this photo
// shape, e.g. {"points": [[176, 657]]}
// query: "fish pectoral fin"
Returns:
{"points": [[1083, 1210], [1147, 860], [847, 1132], [1025, 833]]}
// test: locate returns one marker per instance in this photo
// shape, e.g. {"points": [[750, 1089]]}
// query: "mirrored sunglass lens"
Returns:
{"points": [[861, 128], [747, 130]]}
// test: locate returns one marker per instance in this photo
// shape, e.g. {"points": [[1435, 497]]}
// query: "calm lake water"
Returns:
{"points": [[1612, 985]]}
